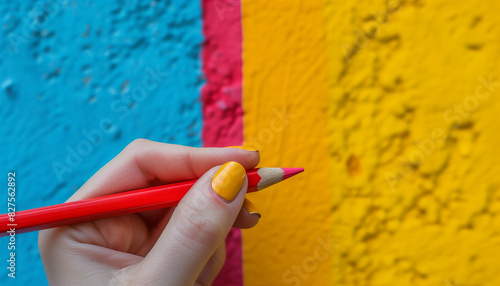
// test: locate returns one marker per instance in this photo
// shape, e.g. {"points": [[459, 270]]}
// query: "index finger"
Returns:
{"points": [[145, 163]]}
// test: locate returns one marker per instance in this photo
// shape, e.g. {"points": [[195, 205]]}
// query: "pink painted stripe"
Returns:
{"points": [[221, 98]]}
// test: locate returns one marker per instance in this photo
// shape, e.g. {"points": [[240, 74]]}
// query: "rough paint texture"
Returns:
{"points": [[80, 84], [285, 104], [221, 97], [396, 125]]}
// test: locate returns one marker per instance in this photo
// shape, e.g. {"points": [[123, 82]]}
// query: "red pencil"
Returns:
{"points": [[124, 203]]}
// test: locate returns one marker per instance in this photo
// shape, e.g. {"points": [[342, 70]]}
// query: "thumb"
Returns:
{"points": [[197, 227]]}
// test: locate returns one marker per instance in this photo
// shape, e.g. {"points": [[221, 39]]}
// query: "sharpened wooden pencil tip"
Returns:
{"points": [[271, 176], [290, 172]]}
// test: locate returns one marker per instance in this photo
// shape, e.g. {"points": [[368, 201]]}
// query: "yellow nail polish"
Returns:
{"points": [[228, 181], [250, 207], [243, 148]]}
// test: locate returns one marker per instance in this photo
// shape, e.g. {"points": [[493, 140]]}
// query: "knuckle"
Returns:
{"points": [[137, 149], [137, 143], [195, 226]]}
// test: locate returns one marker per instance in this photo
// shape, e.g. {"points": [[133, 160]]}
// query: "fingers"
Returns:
{"points": [[213, 267], [248, 217], [144, 163], [197, 227]]}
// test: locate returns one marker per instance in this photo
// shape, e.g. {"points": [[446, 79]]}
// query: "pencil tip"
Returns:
{"points": [[290, 172]]}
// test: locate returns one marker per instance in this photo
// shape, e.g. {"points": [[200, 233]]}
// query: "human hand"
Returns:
{"points": [[182, 245]]}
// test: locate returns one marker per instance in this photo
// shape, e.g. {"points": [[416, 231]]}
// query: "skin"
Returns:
{"points": [[182, 245]]}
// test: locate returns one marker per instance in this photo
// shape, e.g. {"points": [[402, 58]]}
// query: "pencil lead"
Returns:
{"points": [[290, 172]]}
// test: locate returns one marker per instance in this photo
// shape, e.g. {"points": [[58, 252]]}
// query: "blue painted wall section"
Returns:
{"points": [[79, 80]]}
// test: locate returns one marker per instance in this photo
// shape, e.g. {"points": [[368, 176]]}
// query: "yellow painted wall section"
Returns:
{"points": [[285, 104], [394, 110]]}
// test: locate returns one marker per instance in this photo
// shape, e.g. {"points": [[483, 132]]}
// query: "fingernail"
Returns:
{"points": [[243, 148], [250, 207], [228, 181]]}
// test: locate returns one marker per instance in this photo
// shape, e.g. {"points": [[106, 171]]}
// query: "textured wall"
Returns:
{"points": [[221, 97], [285, 101], [389, 105], [81, 79], [393, 112]]}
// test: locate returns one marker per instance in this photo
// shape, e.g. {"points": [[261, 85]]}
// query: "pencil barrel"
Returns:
{"points": [[103, 207]]}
